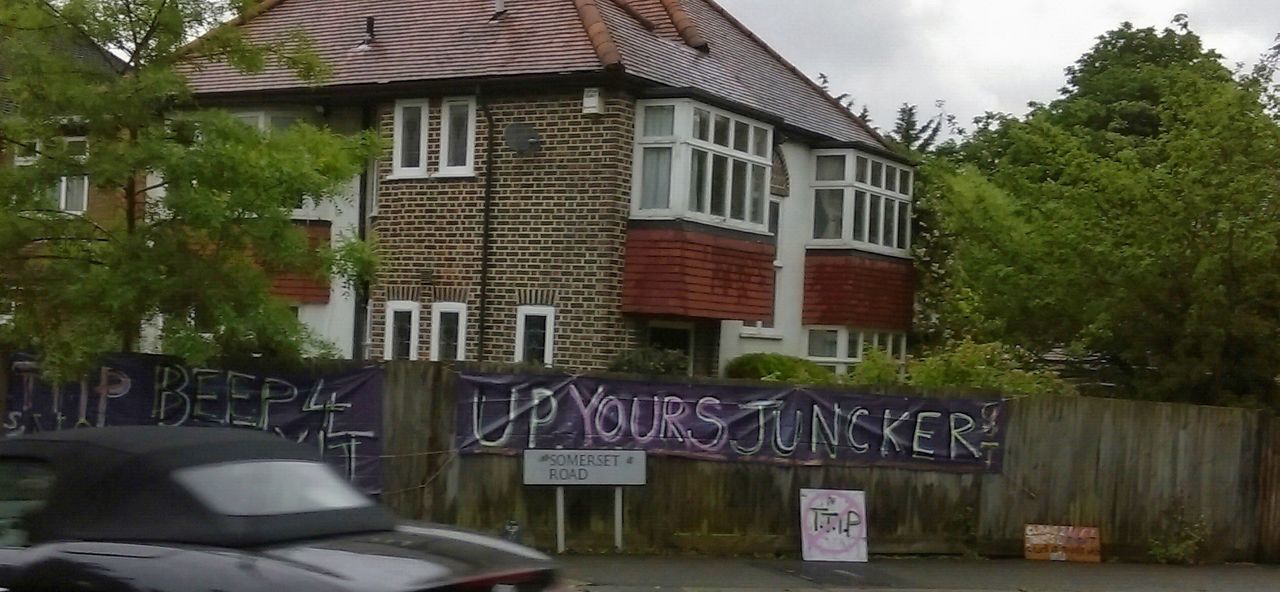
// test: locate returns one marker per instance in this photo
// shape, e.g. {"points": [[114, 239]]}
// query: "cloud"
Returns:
{"points": [[994, 55]]}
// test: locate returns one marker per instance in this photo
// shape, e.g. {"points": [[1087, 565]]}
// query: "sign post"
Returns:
{"points": [[585, 467]]}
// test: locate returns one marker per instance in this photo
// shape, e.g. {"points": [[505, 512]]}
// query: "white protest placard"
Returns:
{"points": [[833, 525], [584, 467]]}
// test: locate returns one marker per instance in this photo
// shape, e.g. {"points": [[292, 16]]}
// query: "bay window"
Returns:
{"points": [[861, 202], [840, 348], [701, 163]]}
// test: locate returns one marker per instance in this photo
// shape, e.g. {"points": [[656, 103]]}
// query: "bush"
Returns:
{"points": [[877, 368], [650, 361], [1181, 539], [989, 366], [778, 367]]}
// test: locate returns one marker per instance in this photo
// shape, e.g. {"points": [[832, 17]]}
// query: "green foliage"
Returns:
{"points": [[984, 366], [651, 362], [204, 201], [1135, 218], [1181, 540], [778, 367], [877, 368]]}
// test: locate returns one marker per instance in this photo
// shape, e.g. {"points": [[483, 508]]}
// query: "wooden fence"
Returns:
{"points": [[1131, 468]]}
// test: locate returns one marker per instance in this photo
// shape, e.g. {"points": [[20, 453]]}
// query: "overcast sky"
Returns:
{"points": [[978, 55]]}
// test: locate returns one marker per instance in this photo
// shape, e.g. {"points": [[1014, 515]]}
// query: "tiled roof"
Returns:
{"points": [[692, 44]]}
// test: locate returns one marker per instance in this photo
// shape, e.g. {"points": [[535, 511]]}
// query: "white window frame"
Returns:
{"points": [[261, 119], [437, 308], [388, 329], [850, 187], [420, 171], [682, 144], [529, 310], [63, 184], [468, 169], [867, 338]]}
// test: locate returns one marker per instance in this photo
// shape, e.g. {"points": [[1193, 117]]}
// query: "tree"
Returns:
{"points": [[1134, 218], [203, 201], [913, 136]]}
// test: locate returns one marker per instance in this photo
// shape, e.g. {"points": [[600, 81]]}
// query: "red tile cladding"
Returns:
{"points": [[692, 273], [855, 290], [300, 287]]}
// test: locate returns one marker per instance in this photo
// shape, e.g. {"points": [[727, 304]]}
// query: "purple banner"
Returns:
{"points": [[340, 413], [784, 424]]}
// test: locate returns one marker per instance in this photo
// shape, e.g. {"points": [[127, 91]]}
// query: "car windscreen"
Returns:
{"points": [[269, 487]]}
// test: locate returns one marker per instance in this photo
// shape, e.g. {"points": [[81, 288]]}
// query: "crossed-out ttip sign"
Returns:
{"points": [[833, 525]]}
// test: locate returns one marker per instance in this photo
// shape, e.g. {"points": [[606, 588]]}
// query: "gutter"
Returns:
{"points": [[358, 344]]}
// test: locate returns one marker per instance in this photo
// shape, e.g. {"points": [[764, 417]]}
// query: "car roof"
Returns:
{"points": [[116, 483]]}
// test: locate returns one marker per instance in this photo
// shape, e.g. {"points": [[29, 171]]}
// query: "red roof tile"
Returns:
{"points": [[422, 40]]}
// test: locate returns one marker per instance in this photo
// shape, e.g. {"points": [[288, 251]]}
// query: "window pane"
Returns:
{"points": [[890, 178], [823, 343], [760, 142], [828, 213], [283, 122], [702, 124], [757, 194], [402, 332], [854, 345], [27, 151], [459, 133], [698, 181], [269, 487], [535, 338], [655, 180], [741, 136], [738, 201], [411, 137], [861, 171], [904, 218], [77, 147], [449, 332], [77, 194], [660, 120], [830, 168], [722, 131], [873, 224], [877, 174], [883, 341], [860, 215], [890, 221], [719, 180], [775, 217], [904, 182]]}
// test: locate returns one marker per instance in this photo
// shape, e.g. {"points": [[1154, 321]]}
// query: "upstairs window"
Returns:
{"points": [[71, 193], [862, 202], [457, 137], [409, 152], [697, 162]]}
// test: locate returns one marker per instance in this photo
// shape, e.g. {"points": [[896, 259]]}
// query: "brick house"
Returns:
{"points": [[565, 180]]}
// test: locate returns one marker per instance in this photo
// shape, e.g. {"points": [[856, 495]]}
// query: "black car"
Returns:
{"points": [[166, 509]]}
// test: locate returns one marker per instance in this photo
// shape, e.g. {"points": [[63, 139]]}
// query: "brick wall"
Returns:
{"points": [[691, 272], [858, 290], [558, 229]]}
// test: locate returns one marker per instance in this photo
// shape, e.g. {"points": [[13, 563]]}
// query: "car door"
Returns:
{"points": [[24, 488]]}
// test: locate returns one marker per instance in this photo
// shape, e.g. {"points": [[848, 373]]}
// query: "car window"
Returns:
{"points": [[264, 488], [24, 488]]}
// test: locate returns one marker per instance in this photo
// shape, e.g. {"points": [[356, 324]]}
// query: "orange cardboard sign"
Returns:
{"points": [[1063, 543]]}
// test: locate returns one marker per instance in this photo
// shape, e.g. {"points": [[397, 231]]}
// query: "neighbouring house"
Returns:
{"points": [[565, 180]]}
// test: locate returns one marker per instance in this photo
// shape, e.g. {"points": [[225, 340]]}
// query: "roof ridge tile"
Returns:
{"points": [[599, 34], [685, 25]]}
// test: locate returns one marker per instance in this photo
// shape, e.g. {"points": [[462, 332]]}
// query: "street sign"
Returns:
{"points": [[584, 467]]}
